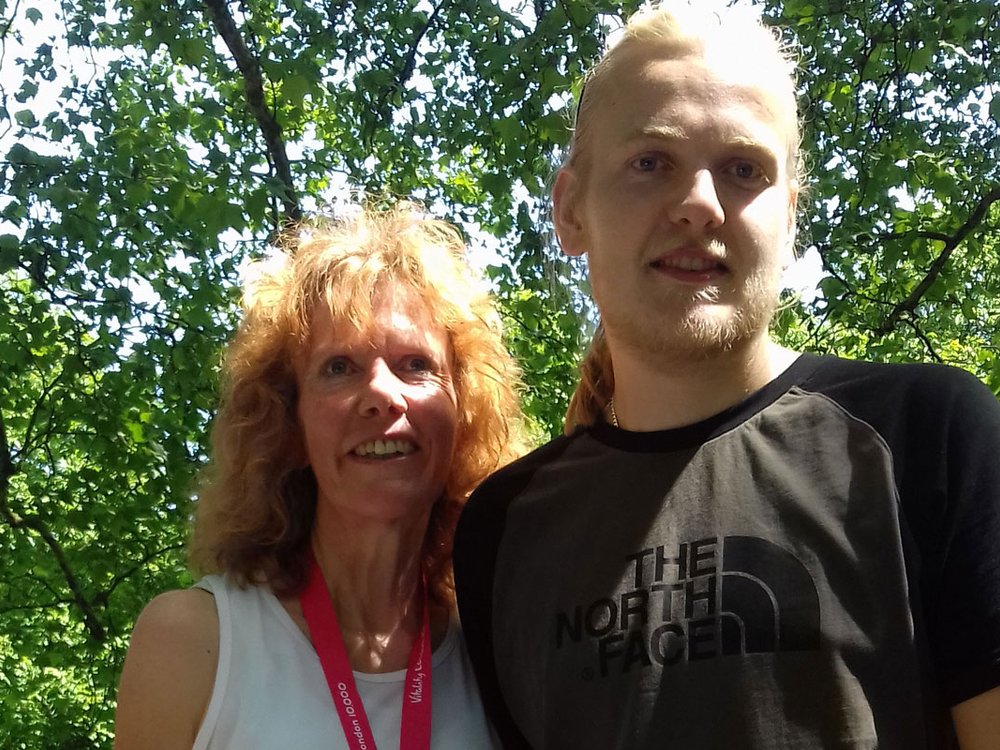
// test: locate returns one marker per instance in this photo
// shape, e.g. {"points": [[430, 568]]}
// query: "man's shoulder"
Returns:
{"points": [[903, 401], [520, 471], [890, 380]]}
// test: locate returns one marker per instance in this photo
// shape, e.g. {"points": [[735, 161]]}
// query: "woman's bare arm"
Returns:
{"points": [[977, 721], [169, 673]]}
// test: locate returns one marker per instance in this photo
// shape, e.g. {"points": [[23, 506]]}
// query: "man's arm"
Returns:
{"points": [[977, 721], [477, 540], [169, 673], [969, 593]]}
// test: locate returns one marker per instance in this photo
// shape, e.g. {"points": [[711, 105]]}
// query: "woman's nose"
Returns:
{"points": [[383, 392]]}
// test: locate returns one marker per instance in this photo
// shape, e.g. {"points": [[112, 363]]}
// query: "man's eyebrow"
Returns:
{"points": [[664, 132], [675, 133], [750, 143]]}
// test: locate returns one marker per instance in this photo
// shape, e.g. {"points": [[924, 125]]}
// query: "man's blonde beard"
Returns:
{"points": [[699, 334]]}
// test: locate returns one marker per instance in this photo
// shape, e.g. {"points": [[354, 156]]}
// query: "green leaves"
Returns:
{"points": [[921, 56], [26, 119], [129, 203], [909, 162], [9, 255]]}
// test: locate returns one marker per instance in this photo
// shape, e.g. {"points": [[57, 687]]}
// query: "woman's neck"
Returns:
{"points": [[373, 576]]}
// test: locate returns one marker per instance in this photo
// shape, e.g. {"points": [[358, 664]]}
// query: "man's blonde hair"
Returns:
{"points": [[670, 30]]}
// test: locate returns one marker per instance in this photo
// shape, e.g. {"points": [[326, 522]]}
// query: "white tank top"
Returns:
{"points": [[270, 693]]}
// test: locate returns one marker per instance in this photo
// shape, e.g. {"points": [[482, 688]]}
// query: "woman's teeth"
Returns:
{"points": [[385, 448]]}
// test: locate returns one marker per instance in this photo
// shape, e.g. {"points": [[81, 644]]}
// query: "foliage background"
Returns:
{"points": [[148, 149]]}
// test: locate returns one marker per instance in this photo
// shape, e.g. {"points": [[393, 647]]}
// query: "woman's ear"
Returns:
{"points": [[295, 444], [566, 212]]}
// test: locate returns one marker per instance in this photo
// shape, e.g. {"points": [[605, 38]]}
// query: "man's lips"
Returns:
{"points": [[691, 266]]}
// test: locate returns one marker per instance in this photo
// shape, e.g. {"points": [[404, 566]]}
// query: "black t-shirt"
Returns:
{"points": [[817, 566]]}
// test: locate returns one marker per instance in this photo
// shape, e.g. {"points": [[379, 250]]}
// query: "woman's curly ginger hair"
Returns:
{"points": [[256, 504]]}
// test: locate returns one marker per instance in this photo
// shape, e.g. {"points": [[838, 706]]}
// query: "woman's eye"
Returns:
{"points": [[417, 363], [337, 366]]}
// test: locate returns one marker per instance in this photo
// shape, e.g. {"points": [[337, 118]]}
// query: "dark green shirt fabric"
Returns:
{"points": [[816, 567]]}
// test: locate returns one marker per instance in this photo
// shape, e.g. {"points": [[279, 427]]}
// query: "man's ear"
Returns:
{"points": [[565, 212], [793, 201]]}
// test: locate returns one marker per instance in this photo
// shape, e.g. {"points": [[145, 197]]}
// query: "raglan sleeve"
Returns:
{"points": [[477, 543], [966, 617]]}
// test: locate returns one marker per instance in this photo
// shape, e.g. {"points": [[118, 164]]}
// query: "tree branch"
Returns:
{"points": [[832, 272], [922, 234], [253, 83], [405, 72], [143, 562], [39, 607], [10, 22], [950, 244], [411, 58], [35, 413], [6, 465], [923, 337], [36, 524]]}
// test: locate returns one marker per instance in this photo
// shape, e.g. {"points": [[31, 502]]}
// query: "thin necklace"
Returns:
{"points": [[611, 408]]}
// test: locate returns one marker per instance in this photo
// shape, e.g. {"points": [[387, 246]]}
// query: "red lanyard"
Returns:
{"points": [[415, 724]]}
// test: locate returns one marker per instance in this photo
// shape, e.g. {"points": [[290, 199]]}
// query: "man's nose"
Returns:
{"points": [[696, 202], [383, 392]]}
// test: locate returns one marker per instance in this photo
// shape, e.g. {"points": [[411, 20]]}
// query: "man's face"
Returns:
{"points": [[683, 201]]}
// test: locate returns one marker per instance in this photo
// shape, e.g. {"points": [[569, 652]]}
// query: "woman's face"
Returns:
{"points": [[378, 413]]}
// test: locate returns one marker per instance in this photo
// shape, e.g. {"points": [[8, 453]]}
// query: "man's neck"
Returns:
{"points": [[678, 389]]}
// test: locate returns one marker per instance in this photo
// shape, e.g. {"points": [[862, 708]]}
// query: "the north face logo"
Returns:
{"points": [[700, 600], [768, 600]]}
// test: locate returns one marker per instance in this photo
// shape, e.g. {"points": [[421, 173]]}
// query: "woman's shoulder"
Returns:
{"points": [[169, 671], [185, 622], [191, 609]]}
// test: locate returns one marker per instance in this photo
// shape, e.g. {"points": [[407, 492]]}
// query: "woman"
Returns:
{"points": [[366, 393]]}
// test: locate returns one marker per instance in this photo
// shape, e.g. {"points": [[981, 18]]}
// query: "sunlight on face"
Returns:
{"points": [[686, 207], [378, 414]]}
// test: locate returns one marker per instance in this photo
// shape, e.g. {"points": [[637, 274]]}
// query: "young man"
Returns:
{"points": [[738, 546]]}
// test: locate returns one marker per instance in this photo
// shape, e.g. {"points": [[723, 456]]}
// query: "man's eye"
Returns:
{"points": [[647, 163], [747, 170]]}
